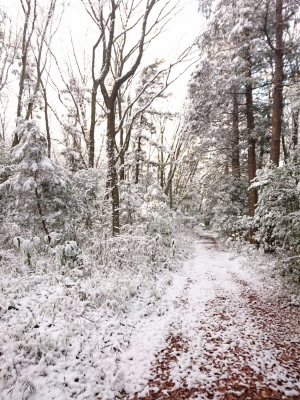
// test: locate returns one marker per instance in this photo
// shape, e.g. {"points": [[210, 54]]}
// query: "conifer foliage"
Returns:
{"points": [[36, 183]]}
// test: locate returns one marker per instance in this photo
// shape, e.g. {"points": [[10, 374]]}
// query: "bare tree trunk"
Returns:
{"points": [[171, 195], [112, 176], [21, 90], [122, 152], [122, 167], [170, 179], [39, 207], [138, 157], [261, 145], [173, 167], [252, 194], [162, 172], [285, 150], [295, 118], [277, 94], [47, 122], [93, 125], [235, 160]]}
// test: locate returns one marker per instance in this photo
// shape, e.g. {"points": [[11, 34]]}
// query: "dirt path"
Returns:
{"points": [[233, 340]]}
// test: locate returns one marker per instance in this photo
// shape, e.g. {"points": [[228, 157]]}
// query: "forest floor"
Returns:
{"points": [[214, 327], [233, 338]]}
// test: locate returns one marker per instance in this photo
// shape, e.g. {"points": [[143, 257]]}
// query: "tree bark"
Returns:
{"points": [[47, 119], [122, 152], [39, 207], [277, 94], [235, 160], [93, 125], [285, 150], [170, 179], [162, 172], [122, 168], [171, 195], [138, 157], [261, 145], [112, 176], [295, 118], [252, 194]]}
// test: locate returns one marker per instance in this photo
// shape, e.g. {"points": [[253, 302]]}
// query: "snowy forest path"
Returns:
{"points": [[232, 339]]}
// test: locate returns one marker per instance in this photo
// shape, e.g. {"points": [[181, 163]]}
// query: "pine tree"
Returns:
{"points": [[36, 189]]}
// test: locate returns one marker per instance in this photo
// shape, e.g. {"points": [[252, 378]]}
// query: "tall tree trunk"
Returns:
{"points": [[112, 176], [138, 157], [277, 94], [170, 179], [261, 145], [39, 207], [21, 84], [252, 194], [285, 150], [235, 160], [93, 125], [295, 118], [122, 152], [172, 170], [162, 172], [20, 94], [122, 167], [47, 120], [171, 195]]}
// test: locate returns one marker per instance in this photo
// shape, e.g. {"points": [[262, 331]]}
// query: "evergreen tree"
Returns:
{"points": [[36, 189]]}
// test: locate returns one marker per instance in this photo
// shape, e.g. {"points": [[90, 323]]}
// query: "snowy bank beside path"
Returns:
{"points": [[197, 333]]}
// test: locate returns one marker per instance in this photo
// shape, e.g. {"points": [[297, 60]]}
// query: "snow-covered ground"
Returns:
{"points": [[48, 353]]}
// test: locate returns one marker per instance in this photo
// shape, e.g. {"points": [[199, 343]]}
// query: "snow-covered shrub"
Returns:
{"points": [[188, 200], [27, 247], [6, 169], [277, 217], [155, 213], [90, 209], [225, 205], [5, 162], [68, 254], [132, 197]]}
